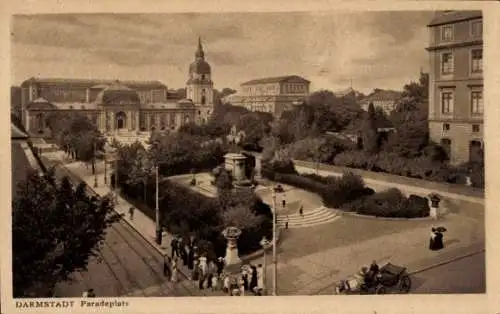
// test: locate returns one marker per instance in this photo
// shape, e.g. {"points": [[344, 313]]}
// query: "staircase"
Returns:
{"points": [[309, 218]]}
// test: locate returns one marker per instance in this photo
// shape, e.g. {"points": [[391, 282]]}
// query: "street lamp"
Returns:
{"points": [[157, 209], [94, 165], [265, 245], [276, 189]]}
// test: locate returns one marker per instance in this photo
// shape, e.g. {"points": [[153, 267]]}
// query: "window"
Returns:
{"points": [[203, 100], [476, 98], [476, 28], [202, 76], [446, 127], [475, 128], [447, 33], [446, 145], [447, 102], [477, 61], [447, 63]]}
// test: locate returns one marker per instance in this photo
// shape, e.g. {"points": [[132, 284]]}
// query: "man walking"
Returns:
{"points": [[301, 211], [131, 212], [166, 267], [173, 247], [286, 223]]}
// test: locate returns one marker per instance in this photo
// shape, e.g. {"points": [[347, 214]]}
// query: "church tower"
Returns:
{"points": [[200, 86]]}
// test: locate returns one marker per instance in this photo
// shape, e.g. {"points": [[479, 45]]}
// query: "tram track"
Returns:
{"points": [[141, 244]]}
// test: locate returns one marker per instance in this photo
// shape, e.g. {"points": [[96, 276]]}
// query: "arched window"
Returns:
{"points": [[202, 76], [203, 99]]}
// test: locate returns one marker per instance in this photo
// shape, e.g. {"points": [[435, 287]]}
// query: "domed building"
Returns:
{"points": [[123, 107], [200, 86]]}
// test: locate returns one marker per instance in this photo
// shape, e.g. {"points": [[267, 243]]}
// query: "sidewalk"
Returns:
{"points": [[140, 222]]}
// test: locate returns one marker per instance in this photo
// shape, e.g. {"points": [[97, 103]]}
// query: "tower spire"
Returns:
{"points": [[199, 52]]}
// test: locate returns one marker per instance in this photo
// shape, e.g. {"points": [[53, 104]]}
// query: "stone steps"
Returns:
{"points": [[310, 218]]}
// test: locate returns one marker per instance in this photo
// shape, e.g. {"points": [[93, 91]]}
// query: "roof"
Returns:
{"points": [[16, 133], [168, 105], [75, 105], [381, 95], [200, 66], [276, 79], [95, 83], [447, 17], [117, 93]]}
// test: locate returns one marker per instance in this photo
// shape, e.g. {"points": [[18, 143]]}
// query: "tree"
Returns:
{"points": [[369, 132], [254, 129], [55, 231], [141, 170], [240, 216], [77, 135]]}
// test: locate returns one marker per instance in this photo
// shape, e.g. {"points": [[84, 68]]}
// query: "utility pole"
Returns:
{"points": [[157, 209], [275, 261], [94, 159]]}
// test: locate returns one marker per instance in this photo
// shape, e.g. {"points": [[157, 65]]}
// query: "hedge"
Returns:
{"points": [[335, 191], [420, 168], [390, 203], [185, 212]]}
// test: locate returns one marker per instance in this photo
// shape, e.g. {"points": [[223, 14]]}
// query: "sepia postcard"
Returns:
{"points": [[265, 157]]}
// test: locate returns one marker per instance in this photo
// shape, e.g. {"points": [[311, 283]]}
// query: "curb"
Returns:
{"points": [[342, 213], [445, 262]]}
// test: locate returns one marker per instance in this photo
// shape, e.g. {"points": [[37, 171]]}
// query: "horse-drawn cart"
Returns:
{"points": [[389, 276]]}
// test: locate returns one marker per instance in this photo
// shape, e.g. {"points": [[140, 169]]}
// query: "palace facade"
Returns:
{"points": [[120, 106], [271, 94], [456, 84]]}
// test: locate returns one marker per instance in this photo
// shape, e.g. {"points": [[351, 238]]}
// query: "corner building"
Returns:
{"points": [[456, 84], [120, 107]]}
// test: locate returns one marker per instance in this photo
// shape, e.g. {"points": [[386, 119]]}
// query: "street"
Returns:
{"points": [[127, 265], [466, 275]]}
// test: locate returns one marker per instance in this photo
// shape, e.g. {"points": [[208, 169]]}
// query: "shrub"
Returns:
{"points": [[390, 203], [345, 189]]}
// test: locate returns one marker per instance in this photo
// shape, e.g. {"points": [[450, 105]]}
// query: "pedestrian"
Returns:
{"points": [[215, 283], [209, 280], [174, 277], [173, 247], [260, 277], [301, 211], [196, 270], [286, 223], [438, 240], [89, 293], [166, 267], [227, 283], [432, 243], [283, 202], [131, 212]]}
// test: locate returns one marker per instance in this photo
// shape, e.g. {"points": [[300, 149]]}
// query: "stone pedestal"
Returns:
{"points": [[231, 234], [235, 163], [434, 213]]}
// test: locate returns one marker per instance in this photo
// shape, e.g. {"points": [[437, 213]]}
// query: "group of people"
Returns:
{"points": [[436, 239], [367, 275], [250, 280]]}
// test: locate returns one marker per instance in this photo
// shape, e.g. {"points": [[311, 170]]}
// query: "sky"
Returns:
{"points": [[373, 49]]}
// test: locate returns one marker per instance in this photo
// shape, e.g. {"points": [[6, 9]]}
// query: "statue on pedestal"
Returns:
{"points": [[232, 234]]}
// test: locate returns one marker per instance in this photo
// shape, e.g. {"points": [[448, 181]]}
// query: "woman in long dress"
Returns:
{"points": [[432, 243], [438, 241], [260, 277]]}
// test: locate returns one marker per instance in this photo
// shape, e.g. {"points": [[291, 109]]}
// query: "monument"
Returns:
{"points": [[232, 234]]}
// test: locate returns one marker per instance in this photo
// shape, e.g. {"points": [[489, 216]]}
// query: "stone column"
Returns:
{"points": [[87, 95], [112, 122], [129, 120], [137, 120]]}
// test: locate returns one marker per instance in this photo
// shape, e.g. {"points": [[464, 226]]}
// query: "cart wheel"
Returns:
{"points": [[405, 285], [380, 290]]}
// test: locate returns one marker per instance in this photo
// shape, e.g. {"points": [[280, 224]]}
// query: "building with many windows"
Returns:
{"points": [[386, 100], [456, 83], [121, 106], [271, 94]]}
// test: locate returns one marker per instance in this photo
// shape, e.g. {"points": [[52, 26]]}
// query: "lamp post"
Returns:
{"points": [[116, 172], [275, 260], [265, 245], [94, 159], [105, 169], [157, 209]]}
